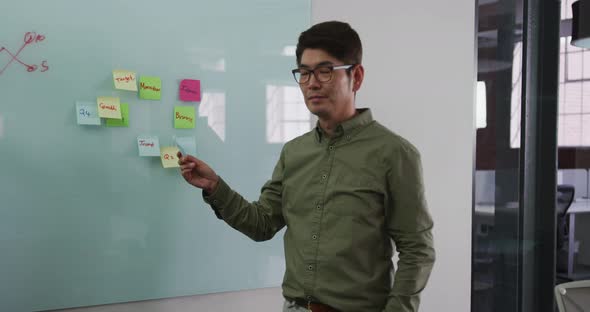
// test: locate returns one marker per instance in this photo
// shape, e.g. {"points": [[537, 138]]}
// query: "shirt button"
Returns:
{"points": [[310, 267], [215, 201], [314, 237], [318, 207], [309, 298], [331, 147], [324, 176]]}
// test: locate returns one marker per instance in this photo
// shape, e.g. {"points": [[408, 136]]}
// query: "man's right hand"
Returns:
{"points": [[198, 173]]}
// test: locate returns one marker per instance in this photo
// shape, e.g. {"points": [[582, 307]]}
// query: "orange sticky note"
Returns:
{"points": [[109, 107]]}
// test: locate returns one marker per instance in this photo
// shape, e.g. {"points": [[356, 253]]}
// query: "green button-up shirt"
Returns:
{"points": [[347, 201]]}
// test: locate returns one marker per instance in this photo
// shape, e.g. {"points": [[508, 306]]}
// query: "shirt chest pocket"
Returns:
{"points": [[357, 195]]}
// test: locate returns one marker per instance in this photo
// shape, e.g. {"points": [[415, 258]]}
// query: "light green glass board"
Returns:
{"points": [[84, 220]]}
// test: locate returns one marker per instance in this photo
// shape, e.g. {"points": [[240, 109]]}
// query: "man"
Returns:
{"points": [[346, 191]]}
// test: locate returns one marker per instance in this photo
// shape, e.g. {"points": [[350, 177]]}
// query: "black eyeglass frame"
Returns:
{"points": [[332, 68]]}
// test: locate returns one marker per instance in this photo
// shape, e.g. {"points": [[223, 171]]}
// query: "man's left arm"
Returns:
{"points": [[410, 227]]}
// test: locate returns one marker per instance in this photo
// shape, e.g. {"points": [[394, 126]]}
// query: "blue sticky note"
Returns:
{"points": [[148, 146], [87, 113], [186, 145]]}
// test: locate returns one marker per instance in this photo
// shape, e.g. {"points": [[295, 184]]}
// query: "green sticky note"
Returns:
{"points": [[150, 88], [184, 117], [124, 121]]}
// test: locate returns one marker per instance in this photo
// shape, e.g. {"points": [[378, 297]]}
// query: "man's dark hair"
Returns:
{"points": [[336, 38]]}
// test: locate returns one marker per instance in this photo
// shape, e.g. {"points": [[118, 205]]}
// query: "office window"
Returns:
{"points": [[573, 95], [573, 128], [566, 9]]}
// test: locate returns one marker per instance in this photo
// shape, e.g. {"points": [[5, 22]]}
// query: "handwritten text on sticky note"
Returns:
{"points": [[124, 121], [109, 107], [148, 146], [87, 113], [150, 88], [190, 90], [125, 80], [169, 158], [184, 117]]}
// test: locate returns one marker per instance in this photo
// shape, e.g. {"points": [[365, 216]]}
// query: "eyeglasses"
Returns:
{"points": [[322, 73]]}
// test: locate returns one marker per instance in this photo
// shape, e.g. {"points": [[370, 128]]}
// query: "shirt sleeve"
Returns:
{"points": [[260, 220], [410, 226]]}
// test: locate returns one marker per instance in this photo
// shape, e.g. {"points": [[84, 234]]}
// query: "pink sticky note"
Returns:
{"points": [[190, 90]]}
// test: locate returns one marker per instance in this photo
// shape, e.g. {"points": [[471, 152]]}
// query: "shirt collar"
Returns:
{"points": [[362, 118]]}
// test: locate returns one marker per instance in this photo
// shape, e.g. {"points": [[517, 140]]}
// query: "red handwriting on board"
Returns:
{"points": [[29, 39], [146, 87], [126, 78], [169, 157], [186, 89], [108, 107], [144, 143], [181, 117]]}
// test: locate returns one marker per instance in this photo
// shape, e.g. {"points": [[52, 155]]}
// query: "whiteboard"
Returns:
{"points": [[84, 220]]}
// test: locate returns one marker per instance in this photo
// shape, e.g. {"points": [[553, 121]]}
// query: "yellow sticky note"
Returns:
{"points": [[125, 80], [169, 158], [109, 107]]}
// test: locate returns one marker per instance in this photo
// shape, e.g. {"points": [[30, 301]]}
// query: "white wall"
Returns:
{"points": [[419, 60]]}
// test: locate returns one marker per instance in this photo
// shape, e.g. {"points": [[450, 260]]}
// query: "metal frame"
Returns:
{"points": [[538, 158]]}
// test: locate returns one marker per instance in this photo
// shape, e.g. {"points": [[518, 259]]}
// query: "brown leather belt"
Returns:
{"points": [[313, 306]]}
